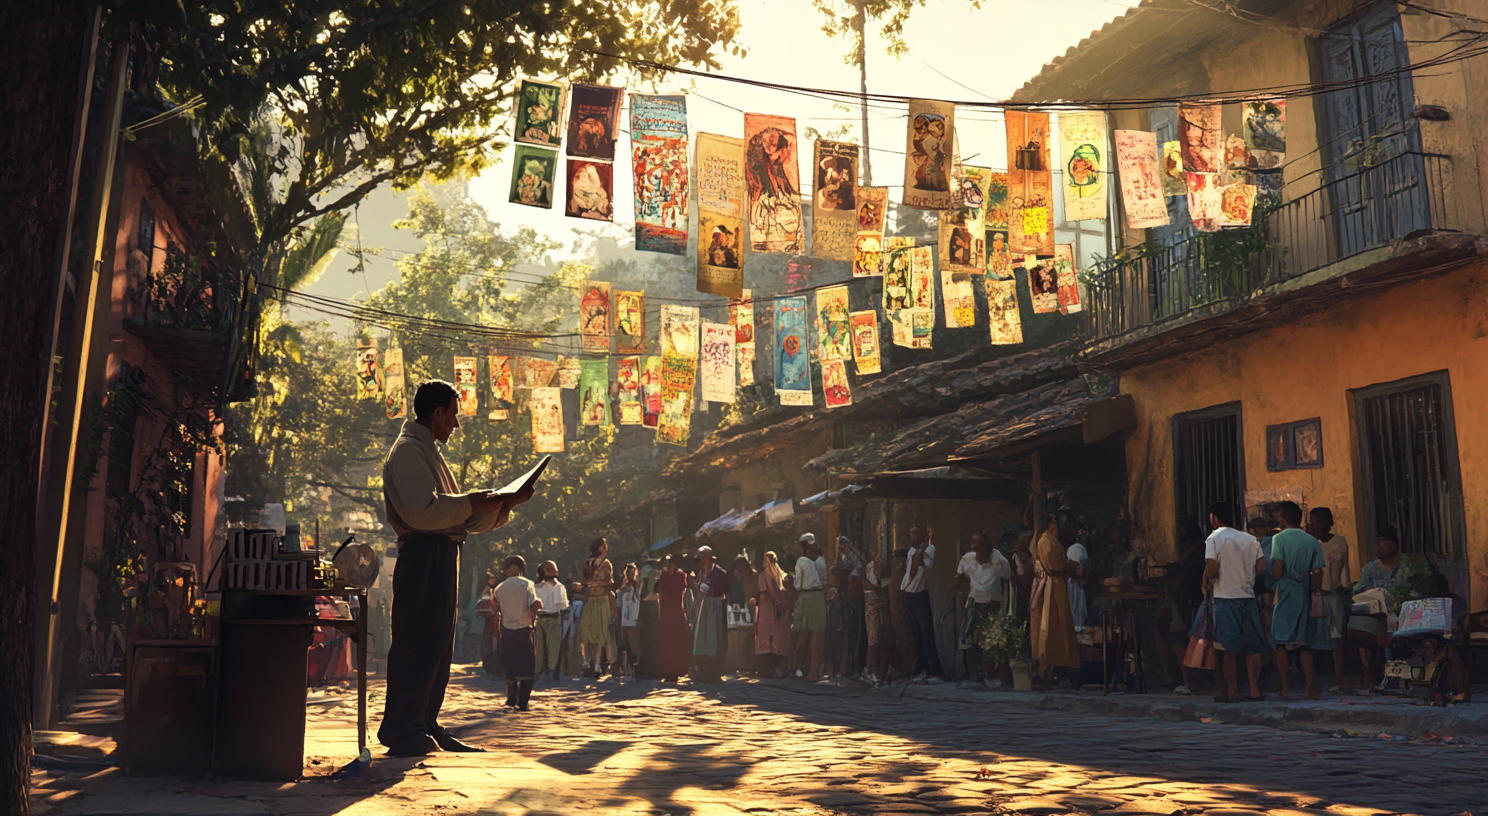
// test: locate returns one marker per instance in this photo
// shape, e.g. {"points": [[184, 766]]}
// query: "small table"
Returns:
{"points": [[357, 627], [1123, 605]]}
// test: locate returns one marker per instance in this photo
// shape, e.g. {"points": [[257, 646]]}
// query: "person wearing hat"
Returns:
{"points": [[517, 599], [554, 597], [710, 640], [810, 623]]}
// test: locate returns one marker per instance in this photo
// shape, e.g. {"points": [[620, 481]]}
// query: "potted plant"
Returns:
{"points": [[1005, 639]]}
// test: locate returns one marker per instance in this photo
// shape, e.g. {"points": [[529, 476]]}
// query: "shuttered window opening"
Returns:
{"points": [[1209, 466], [1410, 458]]}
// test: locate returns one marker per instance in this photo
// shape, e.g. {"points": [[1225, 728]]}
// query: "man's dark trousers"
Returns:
{"points": [[425, 582], [921, 629]]}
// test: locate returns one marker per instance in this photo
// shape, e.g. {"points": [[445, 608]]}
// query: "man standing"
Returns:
{"points": [[1297, 564], [917, 609], [431, 519], [517, 597], [985, 570], [1232, 560], [847, 655], [880, 635], [710, 642], [554, 597], [810, 621]]}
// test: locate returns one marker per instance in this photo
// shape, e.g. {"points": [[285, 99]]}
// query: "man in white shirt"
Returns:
{"points": [[917, 608], [431, 519], [985, 569], [554, 597], [517, 598], [1232, 560], [810, 620]]}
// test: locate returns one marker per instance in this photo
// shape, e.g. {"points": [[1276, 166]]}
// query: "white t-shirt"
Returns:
{"points": [[1336, 554], [808, 576], [986, 579], [554, 597], [1237, 554], [630, 607], [918, 581], [516, 595]]}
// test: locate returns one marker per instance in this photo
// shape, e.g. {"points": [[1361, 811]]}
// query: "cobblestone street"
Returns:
{"points": [[747, 747]]}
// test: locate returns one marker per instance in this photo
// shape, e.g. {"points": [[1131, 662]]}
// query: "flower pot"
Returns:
{"points": [[1022, 678]]}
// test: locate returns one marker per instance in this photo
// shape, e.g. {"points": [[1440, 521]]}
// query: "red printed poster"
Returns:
{"points": [[1141, 185], [772, 171]]}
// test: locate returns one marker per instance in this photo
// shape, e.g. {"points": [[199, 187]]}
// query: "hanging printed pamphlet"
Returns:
{"points": [[651, 390], [1082, 146], [834, 383], [1066, 276], [630, 322], [865, 341], [1264, 123], [792, 355], [465, 386], [1030, 183], [568, 373], [658, 154], [741, 317], [1141, 185], [547, 420], [868, 253], [772, 169], [593, 121], [963, 236], [720, 184], [1199, 136], [501, 387], [594, 316], [832, 323], [834, 208], [628, 377], [591, 190], [1002, 312], [594, 393], [539, 113], [678, 378], [369, 373], [533, 171], [679, 330], [717, 362], [928, 155], [1043, 283], [396, 399]]}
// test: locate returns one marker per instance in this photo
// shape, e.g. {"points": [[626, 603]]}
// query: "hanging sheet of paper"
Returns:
{"points": [[928, 155], [547, 420], [1235, 204], [591, 190], [539, 113], [539, 373], [1005, 323], [1173, 181], [658, 155], [865, 341], [995, 227], [834, 207], [960, 302], [630, 322], [533, 171], [678, 378], [1043, 283], [679, 330], [792, 353], [962, 230], [720, 184], [1199, 134], [1141, 185], [396, 393], [1264, 124], [717, 362], [465, 386], [922, 278], [772, 170], [651, 390], [1082, 149], [832, 329], [1030, 183], [1236, 162], [628, 378], [1067, 276], [594, 315], [1205, 202], [873, 203], [568, 373], [593, 121], [368, 372], [741, 317], [500, 371], [898, 298], [921, 328], [594, 393], [834, 383]]}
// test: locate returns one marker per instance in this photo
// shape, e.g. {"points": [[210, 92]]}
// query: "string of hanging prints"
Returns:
{"points": [[996, 229]]}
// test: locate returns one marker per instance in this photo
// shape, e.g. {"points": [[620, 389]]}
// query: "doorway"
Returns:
{"points": [[1209, 466]]}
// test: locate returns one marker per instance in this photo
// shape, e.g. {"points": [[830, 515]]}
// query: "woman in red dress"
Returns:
{"points": [[676, 635]]}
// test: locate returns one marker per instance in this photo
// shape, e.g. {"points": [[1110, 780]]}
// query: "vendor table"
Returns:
{"points": [[357, 627], [1118, 610]]}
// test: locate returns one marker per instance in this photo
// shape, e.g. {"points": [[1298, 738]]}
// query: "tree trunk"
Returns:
{"points": [[39, 55], [861, 21]]}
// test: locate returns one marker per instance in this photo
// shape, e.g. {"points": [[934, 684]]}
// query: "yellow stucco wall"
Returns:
{"points": [[1306, 369]]}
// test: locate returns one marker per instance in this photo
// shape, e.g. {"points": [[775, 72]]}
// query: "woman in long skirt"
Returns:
{"points": [[676, 636], [598, 613], [772, 621]]}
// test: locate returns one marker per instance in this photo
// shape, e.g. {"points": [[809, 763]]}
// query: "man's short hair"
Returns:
{"points": [[430, 397], [1290, 513], [1224, 511], [517, 561]]}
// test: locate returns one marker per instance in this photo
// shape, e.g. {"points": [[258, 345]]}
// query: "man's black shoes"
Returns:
{"points": [[449, 743], [417, 745]]}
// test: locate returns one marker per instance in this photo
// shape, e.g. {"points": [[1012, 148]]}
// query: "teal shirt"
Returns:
{"points": [[1298, 552]]}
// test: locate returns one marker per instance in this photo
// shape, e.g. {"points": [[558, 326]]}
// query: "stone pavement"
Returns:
{"points": [[747, 747]]}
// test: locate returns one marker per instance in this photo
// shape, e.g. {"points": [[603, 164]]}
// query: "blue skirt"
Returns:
{"points": [[1237, 626], [1292, 624]]}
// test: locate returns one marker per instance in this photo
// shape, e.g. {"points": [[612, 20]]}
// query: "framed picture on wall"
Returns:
{"points": [[1295, 445]]}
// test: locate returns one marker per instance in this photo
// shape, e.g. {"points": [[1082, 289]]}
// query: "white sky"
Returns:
{"points": [[992, 50]]}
